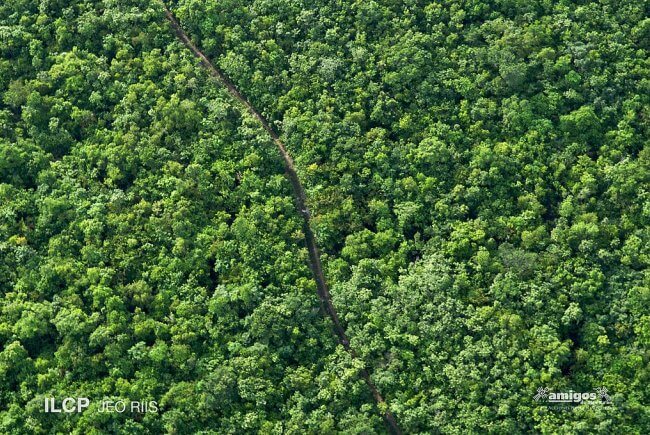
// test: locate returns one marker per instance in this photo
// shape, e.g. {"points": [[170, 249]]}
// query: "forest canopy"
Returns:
{"points": [[478, 180]]}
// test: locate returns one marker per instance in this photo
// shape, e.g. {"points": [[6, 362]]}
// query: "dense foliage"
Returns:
{"points": [[478, 174]]}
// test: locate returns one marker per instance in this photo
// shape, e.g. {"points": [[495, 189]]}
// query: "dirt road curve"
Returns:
{"points": [[301, 204]]}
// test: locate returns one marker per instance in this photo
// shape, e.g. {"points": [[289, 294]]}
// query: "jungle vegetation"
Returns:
{"points": [[478, 179]]}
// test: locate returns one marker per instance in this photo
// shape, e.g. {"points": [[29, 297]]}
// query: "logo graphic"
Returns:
{"points": [[598, 397], [542, 393]]}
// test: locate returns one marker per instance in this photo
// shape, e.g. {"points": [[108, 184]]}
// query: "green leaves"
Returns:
{"points": [[478, 180]]}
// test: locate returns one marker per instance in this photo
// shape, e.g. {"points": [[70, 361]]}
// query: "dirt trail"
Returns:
{"points": [[301, 203]]}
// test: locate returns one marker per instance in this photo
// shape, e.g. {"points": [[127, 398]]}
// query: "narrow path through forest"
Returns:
{"points": [[301, 203]]}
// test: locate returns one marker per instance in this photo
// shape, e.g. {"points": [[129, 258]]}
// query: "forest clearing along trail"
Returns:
{"points": [[301, 203]]}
